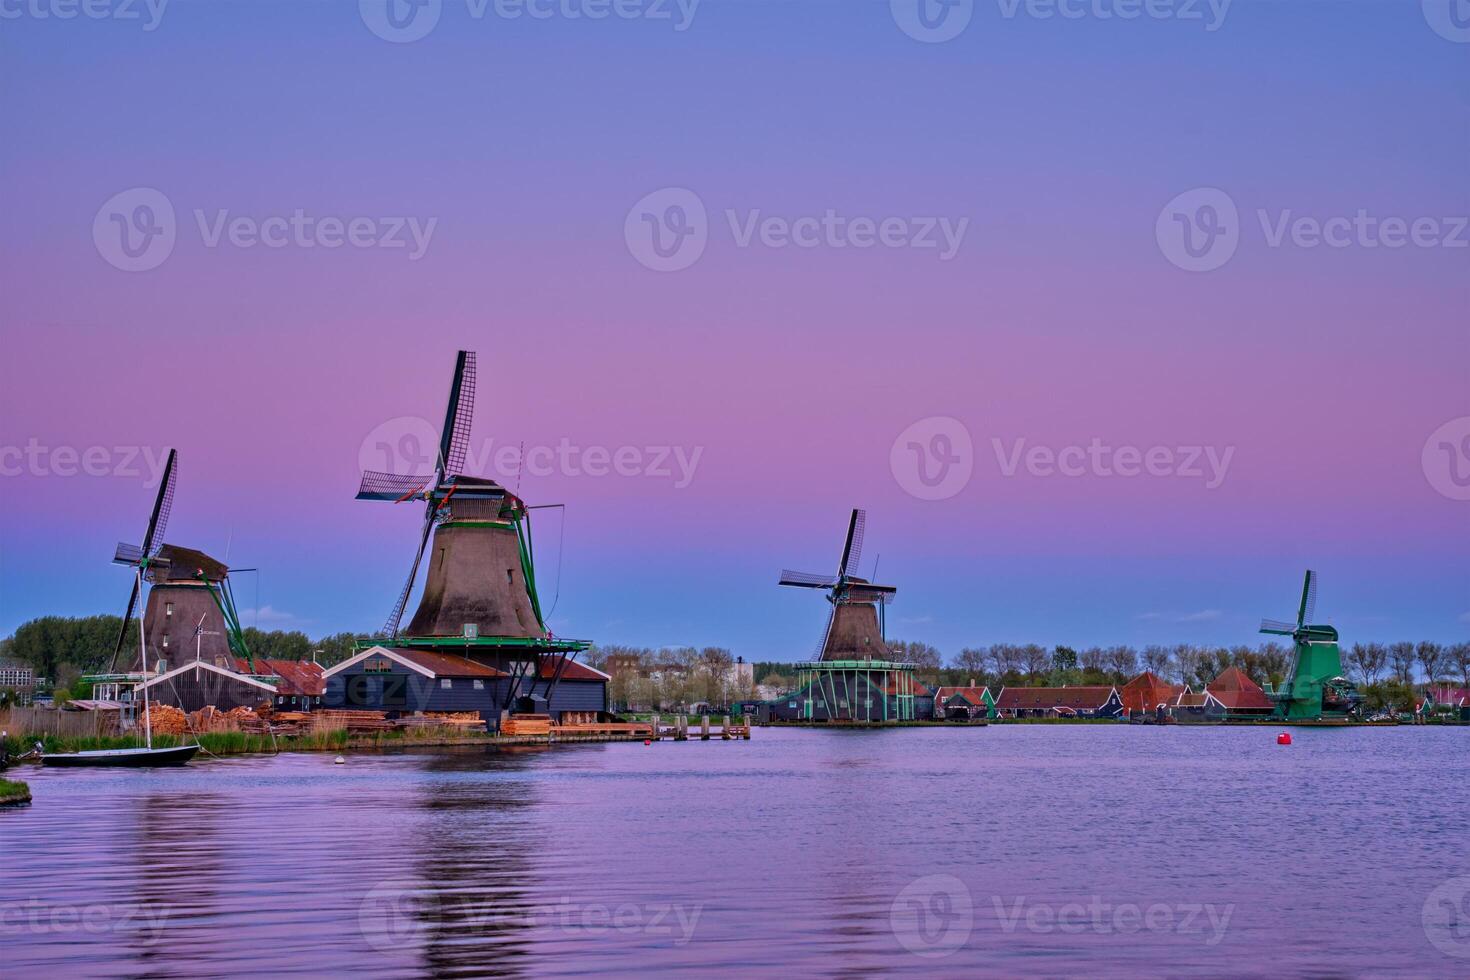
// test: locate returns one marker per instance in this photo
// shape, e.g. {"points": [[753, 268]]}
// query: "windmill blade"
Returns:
{"points": [[826, 632], [122, 632], [454, 442], [852, 548], [377, 485], [162, 505], [391, 627], [1278, 626], [1309, 599], [807, 580], [127, 554]]}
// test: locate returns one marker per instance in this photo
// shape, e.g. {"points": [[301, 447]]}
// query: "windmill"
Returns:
{"points": [[481, 580], [1314, 687], [187, 589], [855, 626], [852, 678]]}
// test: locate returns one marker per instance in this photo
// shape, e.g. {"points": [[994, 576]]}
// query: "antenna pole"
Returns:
{"points": [[143, 650]]}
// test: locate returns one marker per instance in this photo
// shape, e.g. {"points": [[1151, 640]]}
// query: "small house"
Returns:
{"points": [[1148, 694], [964, 703], [402, 681], [1085, 701]]}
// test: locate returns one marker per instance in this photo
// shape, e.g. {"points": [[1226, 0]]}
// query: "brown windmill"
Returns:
{"points": [[190, 612], [855, 626], [480, 579]]}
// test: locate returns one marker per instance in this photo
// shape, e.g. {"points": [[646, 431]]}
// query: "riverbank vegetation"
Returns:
{"points": [[13, 793]]}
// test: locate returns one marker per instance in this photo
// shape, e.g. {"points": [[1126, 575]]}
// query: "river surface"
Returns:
{"points": [[1020, 849]]}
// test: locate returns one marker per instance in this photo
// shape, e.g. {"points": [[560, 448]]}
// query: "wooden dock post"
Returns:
{"points": [[704, 728], [725, 728]]}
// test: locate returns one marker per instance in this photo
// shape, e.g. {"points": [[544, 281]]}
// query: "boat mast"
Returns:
{"points": [[143, 651]]}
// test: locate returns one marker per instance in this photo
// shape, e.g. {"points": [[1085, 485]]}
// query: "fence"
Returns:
{"points": [[63, 724]]}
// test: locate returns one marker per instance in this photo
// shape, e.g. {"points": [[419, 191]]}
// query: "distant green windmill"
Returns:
{"points": [[1314, 687]]}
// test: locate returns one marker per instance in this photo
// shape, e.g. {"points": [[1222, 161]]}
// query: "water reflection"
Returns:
{"points": [[800, 853]]}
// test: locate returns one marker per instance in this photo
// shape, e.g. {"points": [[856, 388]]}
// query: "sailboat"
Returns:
{"points": [[148, 755], [135, 758]]}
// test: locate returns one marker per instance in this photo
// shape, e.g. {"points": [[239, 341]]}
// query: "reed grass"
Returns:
{"points": [[13, 792]]}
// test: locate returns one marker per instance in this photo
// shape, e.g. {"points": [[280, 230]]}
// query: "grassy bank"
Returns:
{"points": [[13, 793], [216, 743]]}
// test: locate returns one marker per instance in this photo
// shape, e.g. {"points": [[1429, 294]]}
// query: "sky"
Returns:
{"points": [[1114, 317]]}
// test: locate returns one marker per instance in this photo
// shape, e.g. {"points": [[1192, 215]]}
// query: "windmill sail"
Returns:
{"points": [[152, 540]]}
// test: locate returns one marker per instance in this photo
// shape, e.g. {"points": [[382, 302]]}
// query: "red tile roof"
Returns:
{"points": [[1147, 691], [1086, 698], [974, 695], [294, 678], [574, 671], [446, 664], [1237, 692]]}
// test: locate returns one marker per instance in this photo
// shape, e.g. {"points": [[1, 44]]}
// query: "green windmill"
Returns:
{"points": [[1314, 688]]}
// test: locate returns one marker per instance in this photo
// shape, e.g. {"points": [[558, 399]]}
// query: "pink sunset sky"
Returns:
{"points": [[785, 373]]}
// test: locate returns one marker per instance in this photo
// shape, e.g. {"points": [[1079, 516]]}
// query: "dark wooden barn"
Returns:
{"points": [[403, 681], [194, 685]]}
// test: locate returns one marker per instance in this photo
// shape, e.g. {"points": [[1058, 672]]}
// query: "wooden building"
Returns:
{"points": [[1149, 694], [1059, 702], [404, 681], [961, 703]]}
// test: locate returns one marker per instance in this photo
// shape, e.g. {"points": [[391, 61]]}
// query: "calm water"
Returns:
{"points": [[940, 852]]}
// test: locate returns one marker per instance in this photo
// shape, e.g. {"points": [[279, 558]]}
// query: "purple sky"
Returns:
{"points": [[1055, 148]]}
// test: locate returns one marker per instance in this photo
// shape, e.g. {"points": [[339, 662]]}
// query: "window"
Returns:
{"points": [[479, 685], [168, 608], [377, 665], [165, 641], [446, 683]]}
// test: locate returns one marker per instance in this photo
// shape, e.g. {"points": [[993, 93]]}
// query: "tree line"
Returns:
{"points": [[63, 648]]}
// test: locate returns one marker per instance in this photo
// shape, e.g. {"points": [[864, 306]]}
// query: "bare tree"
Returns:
{"points": [[1460, 657], [1368, 659], [1402, 657], [1273, 658], [1123, 662], [1432, 659], [1159, 660], [974, 660], [1036, 660], [1093, 659]]}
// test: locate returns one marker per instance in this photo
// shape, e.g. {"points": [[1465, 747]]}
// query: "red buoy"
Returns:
{"points": [[1284, 738], [647, 741]]}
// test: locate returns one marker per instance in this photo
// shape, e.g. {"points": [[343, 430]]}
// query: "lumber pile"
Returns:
{"points": [[167, 720], [527, 725], [451, 721], [355, 722]]}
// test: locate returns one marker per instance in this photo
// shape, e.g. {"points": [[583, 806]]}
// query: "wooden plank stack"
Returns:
{"points": [[527, 725]]}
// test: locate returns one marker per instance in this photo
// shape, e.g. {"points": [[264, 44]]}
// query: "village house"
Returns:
{"points": [[961, 703], [1059, 702], [1149, 694]]}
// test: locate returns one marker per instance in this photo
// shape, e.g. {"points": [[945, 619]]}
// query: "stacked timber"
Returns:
{"points": [[527, 725], [355, 722], [449, 721]]}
